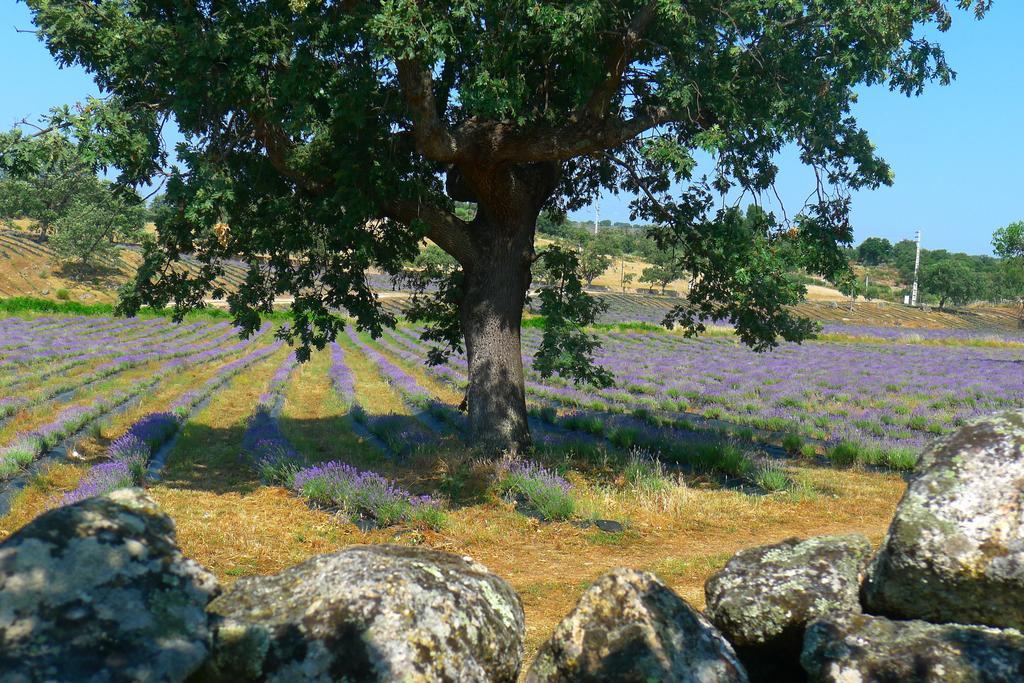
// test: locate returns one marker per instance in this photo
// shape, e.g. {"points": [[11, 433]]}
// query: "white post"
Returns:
{"points": [[917, 268], [597, 212]]}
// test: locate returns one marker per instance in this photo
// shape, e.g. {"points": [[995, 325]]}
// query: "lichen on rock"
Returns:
{"points": [[763, 599], [382, 612], [99, 591], [847, 648], [955, 549], [628, 626]]}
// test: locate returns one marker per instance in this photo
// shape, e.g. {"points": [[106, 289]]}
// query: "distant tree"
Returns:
{"points": [[15, 196], [593, 263], [1008, 243], [874, 251], [42, 181], [89, 230], [950, 280], [611, 242], [666, 267], [626, 279], [903, 255], [436, 260], [550, 223], [52, 181]]}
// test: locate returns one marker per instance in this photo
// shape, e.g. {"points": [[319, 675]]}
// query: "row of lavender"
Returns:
{"points": [[368, 495], [103, 358], [365, 496], [129, 455], [104, 348], [890, 397], [80, 351], [524, 482], [629, 308]]}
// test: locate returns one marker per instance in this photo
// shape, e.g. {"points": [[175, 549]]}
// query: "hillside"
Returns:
{"points": [[29, 268]]}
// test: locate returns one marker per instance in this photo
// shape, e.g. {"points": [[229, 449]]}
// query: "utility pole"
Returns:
{"points": [[917, 269], [597, 212]]}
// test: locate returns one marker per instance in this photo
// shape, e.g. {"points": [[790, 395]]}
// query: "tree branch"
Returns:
{"points": [[433, 139], [443, 228], [512, 144], [279, 148], [616, 62]]}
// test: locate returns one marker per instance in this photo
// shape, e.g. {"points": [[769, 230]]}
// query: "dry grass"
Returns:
{"points": [[35, 498]]}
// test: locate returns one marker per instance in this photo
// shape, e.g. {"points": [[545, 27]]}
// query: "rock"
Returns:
{"points": [[98, 591], [609, 526], [955, 549], [370, 613], [849, 648], [629, 626], [763, 598]]}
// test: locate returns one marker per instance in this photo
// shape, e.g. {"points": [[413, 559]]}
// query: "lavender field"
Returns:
{"points": [[677, 399]]}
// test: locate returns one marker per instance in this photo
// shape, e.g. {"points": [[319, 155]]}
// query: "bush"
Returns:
{"points": [[723, 457], [15, 457], [624, 437], [792, 443], [548, 494], [845, 453], [362, 494], [771, 477], [63, 294], [901, 458]]}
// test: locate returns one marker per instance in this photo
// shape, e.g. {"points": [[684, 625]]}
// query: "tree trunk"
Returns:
{"points": [[496, 278], [491, 316]]}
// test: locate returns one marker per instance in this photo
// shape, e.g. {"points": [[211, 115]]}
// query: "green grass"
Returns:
{"points": [[549, 501], [645, 474], [17, 456], [792, 443], [846, 453], [30, 304], [724, 457], [772, 477]]}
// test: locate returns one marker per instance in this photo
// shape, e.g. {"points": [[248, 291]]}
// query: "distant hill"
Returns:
{"points": [[28, 268]]}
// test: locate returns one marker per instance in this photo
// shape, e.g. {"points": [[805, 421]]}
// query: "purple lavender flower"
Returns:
{"points": [[359, 493], [99, 480]]}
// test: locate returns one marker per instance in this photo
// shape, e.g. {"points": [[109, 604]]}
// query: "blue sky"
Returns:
{"points": [[956, 151]]}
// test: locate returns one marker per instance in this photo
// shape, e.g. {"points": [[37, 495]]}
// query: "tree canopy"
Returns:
{"points": [[874, 251], [52, 182], [951, 280], [332, 136]]}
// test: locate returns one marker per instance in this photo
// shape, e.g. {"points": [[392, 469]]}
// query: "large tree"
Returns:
{"points": [[332, 135], [951, 280], [1008, 243], [874, 251]]}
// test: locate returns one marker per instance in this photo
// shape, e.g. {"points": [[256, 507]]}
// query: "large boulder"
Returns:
{"points": [[370, 613], [763, 599], [98, 591], [848, 648], [955, 549], [629, 626]]}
